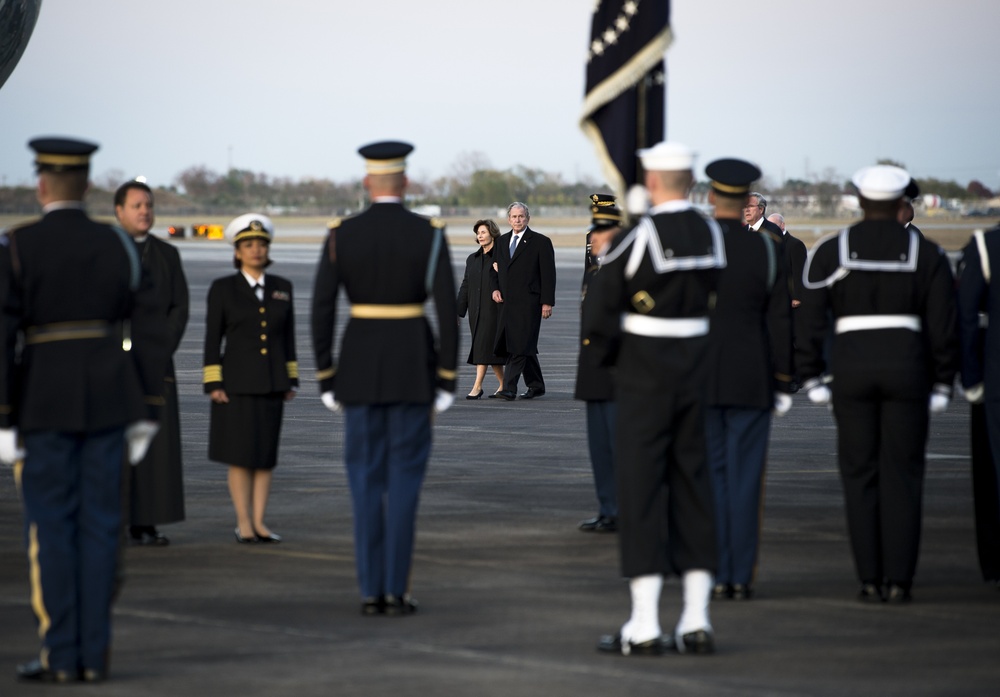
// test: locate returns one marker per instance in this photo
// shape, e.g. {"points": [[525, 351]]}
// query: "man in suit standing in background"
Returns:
{"points": [[525, 284]]}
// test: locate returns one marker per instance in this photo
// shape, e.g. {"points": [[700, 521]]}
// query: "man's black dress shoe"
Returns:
{"points": [[506, 394], [741, 591], [898, 594], [599, 524], [701, 641], [612, 643], [148, 535], [474, 396], [270, 537], [532, 392], [870, 593], [722, 591], [93, 675], [33, 671], [244, 540], [373, 606], [397, 607]]}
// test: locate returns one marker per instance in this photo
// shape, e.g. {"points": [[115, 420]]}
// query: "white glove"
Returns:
{"points": [[820, 394], [939, 402], [637, 200], [331, 403], [9, 452], [138, 436], [782, 403], [443, 401], [976, 394]]}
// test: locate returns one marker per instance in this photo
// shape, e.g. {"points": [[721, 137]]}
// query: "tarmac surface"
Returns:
{"points": [[512, 597]]}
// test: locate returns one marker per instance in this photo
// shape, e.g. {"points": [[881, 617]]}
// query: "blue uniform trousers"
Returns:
{"points": [[601, 441], [737, 448], [385, 450], [71, 485]]}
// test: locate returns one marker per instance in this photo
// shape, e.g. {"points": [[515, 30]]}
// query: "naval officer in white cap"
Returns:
{"points": [[889, 293], [655, 291]]}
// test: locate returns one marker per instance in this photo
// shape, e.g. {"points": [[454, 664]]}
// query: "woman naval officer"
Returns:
{"points": [[249, 383]]}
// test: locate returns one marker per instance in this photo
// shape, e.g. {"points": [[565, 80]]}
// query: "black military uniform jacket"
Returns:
{"points": [[389, 261], [664, 268], [879, 270], [750, 342], [74, 298], [594, 382], [526, 281], [260, 353], [978, 294]]}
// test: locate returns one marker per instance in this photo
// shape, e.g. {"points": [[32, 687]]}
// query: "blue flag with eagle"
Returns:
{"points": [[624, 101]]}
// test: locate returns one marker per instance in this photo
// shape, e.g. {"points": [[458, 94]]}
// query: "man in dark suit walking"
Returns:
{"points": [[156, 485], [525, 284]]}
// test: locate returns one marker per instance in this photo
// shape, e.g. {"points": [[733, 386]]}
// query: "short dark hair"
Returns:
{"points": [[490, 225], [122, 193]]}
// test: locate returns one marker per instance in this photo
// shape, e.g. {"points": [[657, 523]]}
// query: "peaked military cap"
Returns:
{"points": [[249, 226], [731, 176], [61, 154], [604, 213], [385, 157]]}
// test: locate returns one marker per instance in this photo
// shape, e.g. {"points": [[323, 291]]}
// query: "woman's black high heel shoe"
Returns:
{"points": [[474, 396], [244, 540]]}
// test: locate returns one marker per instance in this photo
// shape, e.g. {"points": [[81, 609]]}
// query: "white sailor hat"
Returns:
{"points": [[667, 157], [248, 226], [881, 182]]}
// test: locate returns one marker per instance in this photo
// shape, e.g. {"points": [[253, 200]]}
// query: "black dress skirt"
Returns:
{"points": [[245, 431]]}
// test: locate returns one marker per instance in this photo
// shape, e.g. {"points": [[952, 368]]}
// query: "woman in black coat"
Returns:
{"points": [[474, 296], [252, 314]]}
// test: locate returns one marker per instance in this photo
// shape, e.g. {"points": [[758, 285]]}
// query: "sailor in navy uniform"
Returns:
{"points": [[895, 354], [654, 294], [750, 374], [392, 373], [78, 391]]}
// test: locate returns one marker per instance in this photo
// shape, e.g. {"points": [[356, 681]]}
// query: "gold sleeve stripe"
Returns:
{"points": [[293, 369], [325, 374], [407, 311], [781, 377], [155, 401], [447, 374], [213, 373]]}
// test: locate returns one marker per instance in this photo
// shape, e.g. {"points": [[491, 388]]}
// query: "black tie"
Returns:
{"points": [[258, 290]]}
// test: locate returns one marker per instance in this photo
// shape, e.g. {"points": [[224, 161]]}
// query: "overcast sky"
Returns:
{"points": [[293, 87]]}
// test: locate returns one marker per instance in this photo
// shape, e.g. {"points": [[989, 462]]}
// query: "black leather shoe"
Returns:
{"points": [[34, 671], [244, 540], [898, 594], [495, 395], [612, 643], [701, 641], [532, 392], [742, 591], [506, 394], [397, 607], [93, 675], [474, 396], [373, 606], [147, 535], [722, 591], [599, 524], [270, 537], [870, 593]]}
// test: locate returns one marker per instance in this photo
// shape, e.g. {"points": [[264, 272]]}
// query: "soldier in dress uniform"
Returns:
{"points": [[78, 391], [252, 314], [978, 293], [895, 354], [650, 318], [749, 374], [595, 382], [392, 373], [156, 486]]}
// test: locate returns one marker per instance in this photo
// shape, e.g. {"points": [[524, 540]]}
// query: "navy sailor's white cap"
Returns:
{"points": [[881, 182], [667, 157]]}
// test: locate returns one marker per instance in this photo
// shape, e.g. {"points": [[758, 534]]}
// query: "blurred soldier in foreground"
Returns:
{"points": [[77, 390], [749, 374], [978, 298], [595, 382], [392, 375], [156, 488], [653, 297], [894, 358]]}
